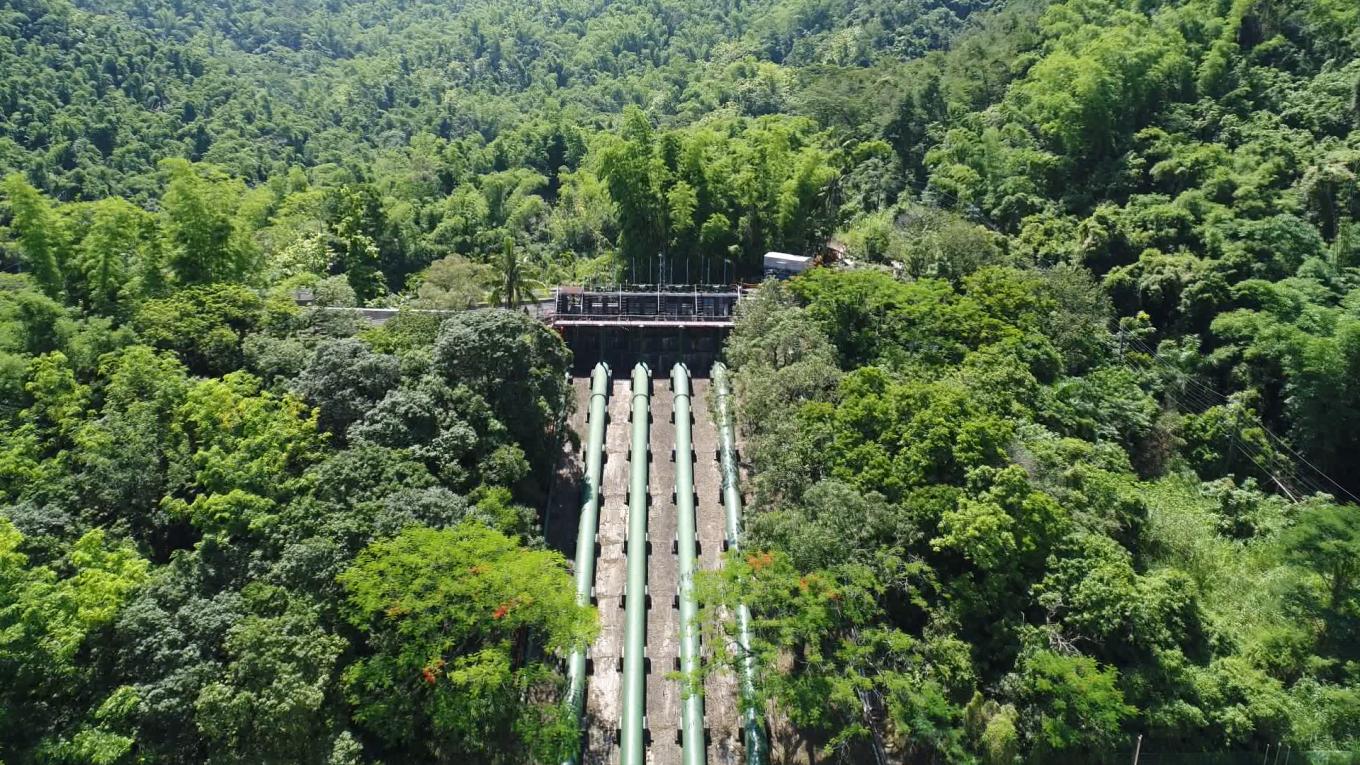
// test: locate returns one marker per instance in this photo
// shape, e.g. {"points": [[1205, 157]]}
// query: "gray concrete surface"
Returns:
{"points": [[604, 684], [663, 620]]}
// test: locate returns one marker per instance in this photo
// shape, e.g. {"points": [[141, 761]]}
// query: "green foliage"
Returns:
{"points": [[344, 380], [812, 616], [925, 242], [43, 243], [257, 88], [453, 283], [442, 609], [371, 158], [714, 198], [985, 526], [117, 257], [204, 325], [269, 704], [245, 449], [205, 242], [1326, 541], [782, 360], [1026, 594], [406, 332], [35, 323], [513, 285], [515, 364], [47, 617], [172, 529], [1071, 703], [357, 222]]}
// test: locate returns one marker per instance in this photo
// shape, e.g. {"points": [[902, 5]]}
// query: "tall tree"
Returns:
{"points": [[637, 177], [444, 611], [357, 227], [43, 240], [514, 284], [205, 246], [46, 619], [110, 254]]}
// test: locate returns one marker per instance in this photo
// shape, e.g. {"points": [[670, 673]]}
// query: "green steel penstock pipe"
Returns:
{"points": [[752, 725], [635, 595], [585, 537], [692, 709]]}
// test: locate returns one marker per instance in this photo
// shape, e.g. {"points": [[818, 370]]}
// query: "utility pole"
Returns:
{"points": [[1137, 748]]}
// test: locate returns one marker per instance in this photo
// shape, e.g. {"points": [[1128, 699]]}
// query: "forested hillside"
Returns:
{"points": [[1086, 468], [1068, 456], [96, 92]]}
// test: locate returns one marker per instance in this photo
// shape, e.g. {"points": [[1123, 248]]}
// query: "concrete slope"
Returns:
{"points": [[604, 686], [663, 621], [564, 499], [561, 522]]}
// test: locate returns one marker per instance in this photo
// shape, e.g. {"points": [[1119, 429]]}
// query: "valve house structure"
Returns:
{"points": [[658, 326]]}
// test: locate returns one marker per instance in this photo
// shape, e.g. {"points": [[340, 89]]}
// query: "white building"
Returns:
{"points": [[784, 264]]}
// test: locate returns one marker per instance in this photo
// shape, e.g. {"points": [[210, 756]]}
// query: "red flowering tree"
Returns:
{"points": [[445, 610]]}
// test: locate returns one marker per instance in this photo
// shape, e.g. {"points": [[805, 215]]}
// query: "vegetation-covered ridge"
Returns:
{"points": [[436, 130], [987, 532], [95, 92], [220, 511], [235, 530]]}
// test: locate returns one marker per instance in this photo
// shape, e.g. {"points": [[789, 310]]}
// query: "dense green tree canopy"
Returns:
{"points": [[189, 554], [443, 610], [1018, 545]]}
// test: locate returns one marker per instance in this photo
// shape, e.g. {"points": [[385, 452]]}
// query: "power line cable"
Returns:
{"points": [[1261, 460], [1211, 395], [1201, 400], [1258, 456], [1204, 397]]}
